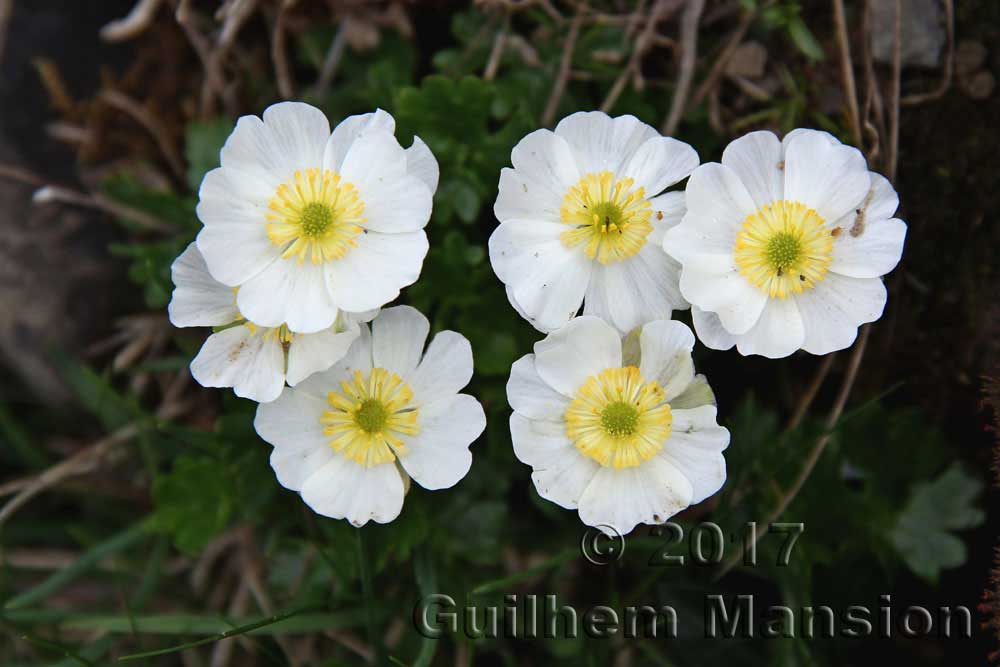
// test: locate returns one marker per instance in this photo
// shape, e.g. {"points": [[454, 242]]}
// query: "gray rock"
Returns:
{"points": [[923, 31]]}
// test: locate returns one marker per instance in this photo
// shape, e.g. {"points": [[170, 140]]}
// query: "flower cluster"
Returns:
{"points": [[780, 247], [308, 233]]}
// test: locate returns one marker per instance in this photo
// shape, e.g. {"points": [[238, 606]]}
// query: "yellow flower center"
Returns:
{"points": [[317, 215], [368, 416], [618, 419], [609, 218], [281, 333], [783, 248]]}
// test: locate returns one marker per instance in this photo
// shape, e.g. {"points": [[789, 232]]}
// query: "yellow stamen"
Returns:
{"points": [[368, 415], [317, 215], [618, 419], [280, 333], [607, 215], [784, 248]]}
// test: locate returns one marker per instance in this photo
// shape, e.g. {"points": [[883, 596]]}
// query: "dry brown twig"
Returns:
{"points": [[6, 8], [689, 55], [892, 153], [55, 194], [279, 54], [133, 24], [559, 87], [660, 10], [331, 63], [152, 125], [847, 72], [719, 67], [496, 51]]}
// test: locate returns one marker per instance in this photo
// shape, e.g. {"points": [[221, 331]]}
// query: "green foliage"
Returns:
{"points": [[202, 143], [923, 535], [205, 491]]}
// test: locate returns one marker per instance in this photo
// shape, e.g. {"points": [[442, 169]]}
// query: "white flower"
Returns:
{"points": [[350, 438], [308, 223], [626, 432], [784, 244], [581, 222], [255, 361]]}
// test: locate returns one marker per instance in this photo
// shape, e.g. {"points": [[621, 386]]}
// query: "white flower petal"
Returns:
{"points": [[291, 423], [659, 163], [586, 346], [668, 210], [514, 304], [420, 162], [548, 279], [757, 159], [872, 254], [312, 353], [665, 357], [717, 287], [398, 337], [521, 198], [699, 425], [445, 369], [872, 248], [343, 489], [519, 247], [691, 243], [234, 239], [235, 357], [546, 160], [559, 471], [288, 292], [394, 201], [600, 142], [710, 331], [832, 179], [778, 333], [553, 295], [299, 132], [438, 455], [372, 274], [637, 290], [622, 498], [717, 203], [530, 396], [199, 300], [698, 453], [543, 445], [358, 358], [349, 130], [834, 309], [256, 164], [802, 131]]}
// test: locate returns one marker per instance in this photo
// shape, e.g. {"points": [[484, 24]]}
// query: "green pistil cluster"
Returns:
{"points": [[620, 419]]}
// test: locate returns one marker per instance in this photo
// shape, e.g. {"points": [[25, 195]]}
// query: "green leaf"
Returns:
{"points": [[804, 40], [203, 493], [191, 504], [923, 534], [202, 143]]}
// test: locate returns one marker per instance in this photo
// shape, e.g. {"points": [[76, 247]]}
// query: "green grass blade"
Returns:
{"points": [[506, 582], [84, 563]]}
